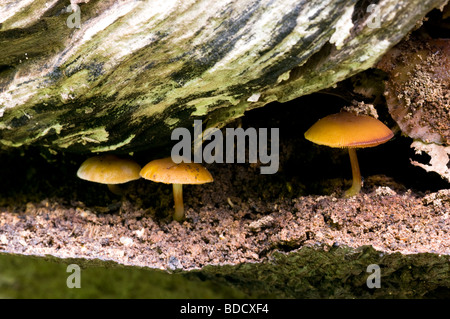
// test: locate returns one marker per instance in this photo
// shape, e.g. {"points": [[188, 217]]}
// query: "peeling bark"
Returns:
{"points": [[440, 158]]}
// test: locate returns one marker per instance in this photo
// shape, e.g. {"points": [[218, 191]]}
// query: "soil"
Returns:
{"points": [[221, 228], [243, 216]]}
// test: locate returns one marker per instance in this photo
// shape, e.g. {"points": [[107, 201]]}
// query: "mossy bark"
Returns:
{"points": [[135, 70], [339, 273], [308, 273]]}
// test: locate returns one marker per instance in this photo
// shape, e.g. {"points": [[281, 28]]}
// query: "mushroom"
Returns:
{"points": [[351, 131], [110, 170], [167, 171]]}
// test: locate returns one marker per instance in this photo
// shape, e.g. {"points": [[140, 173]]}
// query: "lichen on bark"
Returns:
{"points": [[135, 70]]}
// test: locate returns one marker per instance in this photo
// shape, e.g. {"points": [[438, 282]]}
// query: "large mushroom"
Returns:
{"points": [[168, 172], [348, 130], [110, 170]]}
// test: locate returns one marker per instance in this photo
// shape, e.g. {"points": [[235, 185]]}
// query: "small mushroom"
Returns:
{"points": [[110, 170], [168, 172], [347, 130]]}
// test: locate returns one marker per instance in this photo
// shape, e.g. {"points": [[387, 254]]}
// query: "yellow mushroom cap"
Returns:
{"points": [[166, 171], [109, 169], [349, 130]]}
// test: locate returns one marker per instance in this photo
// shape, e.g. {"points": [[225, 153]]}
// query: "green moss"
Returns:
{"points": [[115, 146], [95, 135], [170, 122], [33, 277]]}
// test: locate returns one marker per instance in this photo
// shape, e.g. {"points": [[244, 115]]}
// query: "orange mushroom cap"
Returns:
{"points": [[166, 171], [349, 130], [109, 169]]}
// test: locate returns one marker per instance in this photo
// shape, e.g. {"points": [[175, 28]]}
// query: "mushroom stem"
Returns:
{"points": [[115, 189], [178, 199], [356, 186]]}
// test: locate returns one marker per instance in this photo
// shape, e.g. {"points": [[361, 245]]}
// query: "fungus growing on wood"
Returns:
{"points": [[168, 172], [110, 170], [347, 130]]}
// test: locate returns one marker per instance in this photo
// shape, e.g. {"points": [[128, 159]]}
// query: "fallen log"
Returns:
{"points": [[120, 75]]}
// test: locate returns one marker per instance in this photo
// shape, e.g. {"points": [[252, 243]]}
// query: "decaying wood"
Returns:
{"points": [[417, 94], [128, 72]]}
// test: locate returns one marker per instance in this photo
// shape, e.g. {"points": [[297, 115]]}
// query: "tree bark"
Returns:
{"points": [[128, 72]]}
